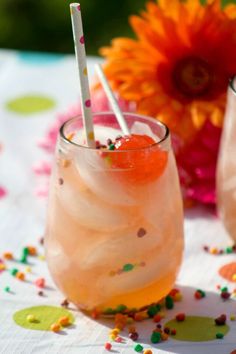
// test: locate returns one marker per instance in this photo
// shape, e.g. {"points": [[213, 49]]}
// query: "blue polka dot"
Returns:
{"points": [[35, 58]]}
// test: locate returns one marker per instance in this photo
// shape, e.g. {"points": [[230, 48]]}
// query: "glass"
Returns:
{"points": [[226, 168], [114, 236]]}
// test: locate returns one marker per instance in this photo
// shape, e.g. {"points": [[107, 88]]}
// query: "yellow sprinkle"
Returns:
{"points": [[115, 331], [65, 163], [162, 314], [41, 257], [130, 320], [91, 136], [2, 266], [31, 318], [232, 317], [234, 277], [112, 336], [28, 270], [70, 136], [178, 297]]}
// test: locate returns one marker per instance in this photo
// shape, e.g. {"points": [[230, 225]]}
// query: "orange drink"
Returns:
{"points": [[114, 236]]}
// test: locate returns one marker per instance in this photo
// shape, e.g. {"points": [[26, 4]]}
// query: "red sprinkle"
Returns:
{"points": [[180, 317], [157, 318], [173, 332], [40, 282], [108, 346], [225, 295]]}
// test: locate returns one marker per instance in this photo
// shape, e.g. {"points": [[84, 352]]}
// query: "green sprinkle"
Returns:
{"points": [[224, 289], [219, 335], [201, 292], [111, 147], [23, 259], [14, 271], [155, 337], [229, 250], [25, 251], [128, 267], [7, 289], [121, 308], [138, 348], [152, 311], [109, 311], [169, 302]]}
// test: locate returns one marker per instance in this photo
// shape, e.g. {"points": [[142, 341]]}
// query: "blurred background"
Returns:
{"points": [[44, 25]]}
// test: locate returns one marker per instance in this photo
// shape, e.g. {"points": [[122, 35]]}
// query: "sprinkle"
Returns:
{"points": [[155, 337], [111, 147], [132, 329], [7, 289], [112, 336], [121, 308], [65, 163], [14, 271], [108, 346], [152, 311], [60, 181], [2, 267], [219, 335], [40, 282], [8, 255], [65, 303], [118, 339], [167, 330], [138, 348], [232, 317], [55, 327], [64, 321], [220, 321], [128, 267], [173, 332], [225, 295], [31, 318], [20, 276], [41, 257], [164, 336], [41, 240], [199, 294], [169, 302], [109, 141], [234, 277], [115, 331], [180, 317], [134, 336], [40, 293], [141, 232], [157, 318], [70, 136], [28, 270], [147, 351]]}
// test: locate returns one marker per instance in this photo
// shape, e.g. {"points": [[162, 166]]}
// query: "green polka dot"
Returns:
{"points": [[196, 329], [128, 267], [30, 104], [45, 317]]}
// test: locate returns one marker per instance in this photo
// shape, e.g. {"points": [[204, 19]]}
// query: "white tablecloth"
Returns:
{"points": [[22, 217]]}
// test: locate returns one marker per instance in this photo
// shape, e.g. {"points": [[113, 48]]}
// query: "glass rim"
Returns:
{"points": [[232, 85], [106, 113]]}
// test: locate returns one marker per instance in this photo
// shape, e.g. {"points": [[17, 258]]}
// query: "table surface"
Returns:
{"points": [[22, 219]]}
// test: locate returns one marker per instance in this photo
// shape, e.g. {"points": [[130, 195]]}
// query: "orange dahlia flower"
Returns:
{"points": [[178, 67], [177, 70]]}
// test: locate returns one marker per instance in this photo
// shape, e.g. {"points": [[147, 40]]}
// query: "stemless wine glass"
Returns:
{"points": [[114, 237], [226, 168]]}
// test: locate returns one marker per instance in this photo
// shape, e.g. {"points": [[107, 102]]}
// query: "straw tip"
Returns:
{"points": [[75, 5]]}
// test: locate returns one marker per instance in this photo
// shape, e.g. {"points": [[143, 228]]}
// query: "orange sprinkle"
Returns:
{"points": [[8, 255], [20, 276], [65, 163], [55, 327], [70, 136], [132, 329], [32, 250], [64, 321]]}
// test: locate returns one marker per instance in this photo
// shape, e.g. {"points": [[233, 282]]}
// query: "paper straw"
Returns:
{"points": [[112, 100], [80, 54]]}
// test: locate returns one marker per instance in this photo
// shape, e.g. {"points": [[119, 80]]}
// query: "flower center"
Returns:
{"points": [[192, 76]]}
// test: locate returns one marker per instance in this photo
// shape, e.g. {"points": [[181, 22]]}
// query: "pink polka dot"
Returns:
{"points": [[82, 40], [78, 7], [87, 103], [3, 192]]}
